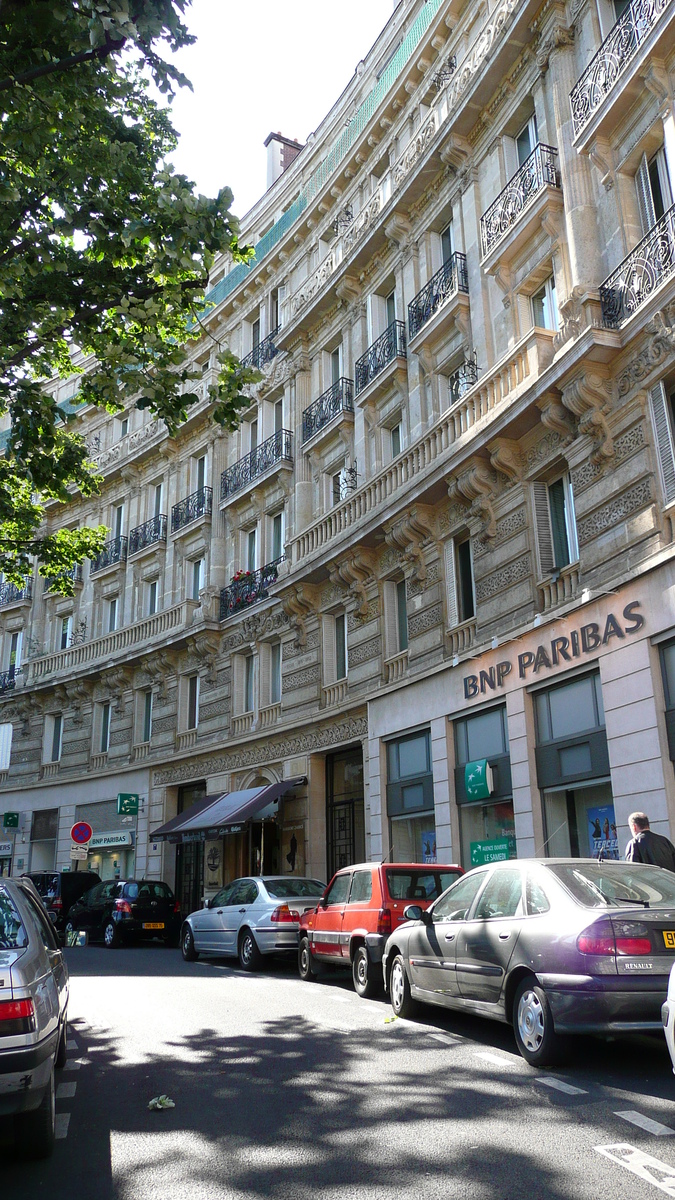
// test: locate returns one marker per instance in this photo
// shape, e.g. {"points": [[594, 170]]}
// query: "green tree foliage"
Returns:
{"points": [[104, 251]]}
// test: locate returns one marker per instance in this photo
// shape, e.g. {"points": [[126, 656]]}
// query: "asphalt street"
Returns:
{"points": [[287, 1089]]}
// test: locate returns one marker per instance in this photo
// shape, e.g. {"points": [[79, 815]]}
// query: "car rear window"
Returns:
{"points": [[148, 891], [419, 885], [599, 885], [12, 932], [47, 886], [290, 889]]}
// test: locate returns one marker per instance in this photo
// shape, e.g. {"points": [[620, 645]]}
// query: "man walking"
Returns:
{"points": [[648, 847]]}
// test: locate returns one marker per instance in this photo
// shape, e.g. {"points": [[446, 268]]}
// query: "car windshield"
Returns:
{"points": [[597, 885], [291, 889], [12, 933], [419, 885]]}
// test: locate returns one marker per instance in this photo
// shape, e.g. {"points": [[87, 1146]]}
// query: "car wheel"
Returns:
{"points": [[250, 957], [35, 1130], [111, 935], [535, 1036], [306, 966], [364, 974], [399, 990], [62, 1051], [187, 945]]}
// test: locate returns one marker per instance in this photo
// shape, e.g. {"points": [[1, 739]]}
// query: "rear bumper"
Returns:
{"points": [[134, 929], [607, 1005], [275, 941], [24, 1075]]}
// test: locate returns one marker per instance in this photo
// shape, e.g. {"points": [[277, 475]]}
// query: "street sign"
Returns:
{"points": [[478, 779], [10, 821], [127, 804], [78, 853], [496, 850], [81, 833]]}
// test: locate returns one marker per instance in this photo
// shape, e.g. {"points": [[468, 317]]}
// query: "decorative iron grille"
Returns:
{"points": [[343, 219], [7, 679], [248, 587], [197, 505], [537, 172], [618, 49], [640, 273], [113, 552], [390, 345], [75, 573], [462, 379], [450, 279], [277, 448], [263, 353], [147, 534], [446, 72], [338, 398], [11, 594]]}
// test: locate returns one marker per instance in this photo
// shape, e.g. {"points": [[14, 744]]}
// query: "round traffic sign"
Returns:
{"points": [[81, 833]]}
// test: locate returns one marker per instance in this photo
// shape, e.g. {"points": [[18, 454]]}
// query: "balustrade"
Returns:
{"points": [[389, 346], [114, 551], [248, 587], [148, 533], [277, 448], [537, 172], [450, 279], [338, 398], [190, 509], [640, 274]]}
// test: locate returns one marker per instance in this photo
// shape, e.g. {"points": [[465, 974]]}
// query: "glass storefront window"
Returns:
{"points": [[409, 756], [488, 833], [482, 736], [569, 709], [580, 822], [413, 839]]}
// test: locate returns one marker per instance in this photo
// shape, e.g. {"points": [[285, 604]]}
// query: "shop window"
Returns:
{"points": [[545, 306], [410, 798], [555, 524], [487, 824], [459, 581], [192, 701], [51, 751], [43, 837], [345, 816], [667, 651]]}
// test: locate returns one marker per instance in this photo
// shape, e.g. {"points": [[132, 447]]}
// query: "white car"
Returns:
{"points": [[668, 1016], [251, 917]]}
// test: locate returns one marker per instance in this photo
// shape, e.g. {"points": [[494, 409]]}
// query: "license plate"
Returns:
{"points": [[153, 924], [669, 938]]}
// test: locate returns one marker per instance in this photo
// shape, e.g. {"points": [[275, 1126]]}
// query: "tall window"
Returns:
{"points": [[465, 600], [105, 728], [200, 472], [147, 715], [278, 416], [341, 646], [112, 615], [15, 648], [556, 524], [192, 701], [251, 549], [277, 536], [123, 427], [118, 520], [275, 673], [336, 487], [654, 191], [253, 435], [410, 798], [526, 140], [53, 735], [248, 683], [197, 577], [396, 444], [157, 507], [447, 243], [66, 632], [390, 303], [336, 365], [545, 306], [255, 330], [152, 597], [402, 615]]}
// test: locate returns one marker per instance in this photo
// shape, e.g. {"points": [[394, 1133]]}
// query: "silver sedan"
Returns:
{"points": [[249, 918]]}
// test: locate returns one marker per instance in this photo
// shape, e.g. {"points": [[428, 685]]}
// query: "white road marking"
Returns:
{"points": [[646, 1123], [561, 1086], [71, 1044], [61, 1126], [331, 1025], [641, 1164], [66, 1091], [73, 1064], [495, 1059], [443, 1037]]}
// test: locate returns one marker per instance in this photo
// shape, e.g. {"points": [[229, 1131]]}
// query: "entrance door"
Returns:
{"points": [[345, 810], [190, 856]]}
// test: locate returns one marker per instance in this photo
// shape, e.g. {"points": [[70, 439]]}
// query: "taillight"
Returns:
{"points": [[597, 939], [632, 938], [284, 913], [123, 906], [176, 908], [56, 904], [16, 1016], [384, 922]]}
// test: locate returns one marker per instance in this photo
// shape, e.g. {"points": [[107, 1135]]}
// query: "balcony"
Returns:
{"points": [[276, 449], [11, 594], [619, 49], [113, 552], [462, 379], [75, 573], [148, 534], [199, 504], [388, 347], [338, 399], [447, 282], [248, 587], [532, 181], [263, 353], [8, 680], [640, 274]]}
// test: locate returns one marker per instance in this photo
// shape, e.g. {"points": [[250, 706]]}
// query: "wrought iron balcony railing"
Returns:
{"points": [[248, 587], [148, 533], [641, 273], [277, 448], [338, 398], [75, 573], [8, 679], [197, 505], [263, 353], [390, 345], [450, 279], [11, 594], [113, 552], [618, 49], [462, 379], [537, 172]]}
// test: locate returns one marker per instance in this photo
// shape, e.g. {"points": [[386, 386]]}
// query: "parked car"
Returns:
{"points": [[250, 918], [125, 910], [553, 947], [668, 1016], [33, 1015], [59, 890], [361, 907]]}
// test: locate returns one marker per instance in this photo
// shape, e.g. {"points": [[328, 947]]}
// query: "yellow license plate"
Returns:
{"points": [[669, 938], [153, 924]]}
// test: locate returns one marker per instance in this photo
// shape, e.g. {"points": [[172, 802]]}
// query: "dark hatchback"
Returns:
{"points": [[59, 890], [553, 947], [127, 910]]}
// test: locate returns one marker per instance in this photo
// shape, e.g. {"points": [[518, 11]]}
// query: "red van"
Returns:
{"points": [[360, 907]]}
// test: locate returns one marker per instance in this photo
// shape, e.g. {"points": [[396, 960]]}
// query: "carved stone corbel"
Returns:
{"points": [[506, 458], [600, 154], [455, 152], [298, 603], [78, 693], [555, 416], [160, 667], [353, 571], [588, 398], [475, 487], [347, 290], [203, 648], [408, 534], [558, 37], [115, 682], [398, 230]]}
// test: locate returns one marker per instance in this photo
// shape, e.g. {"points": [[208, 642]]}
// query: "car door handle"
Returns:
{"points": [[219, 912], [242, 910], [504, 937], [450, 937]]}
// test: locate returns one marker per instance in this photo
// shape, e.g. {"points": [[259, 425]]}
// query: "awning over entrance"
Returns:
{"points": [[213, 817]]}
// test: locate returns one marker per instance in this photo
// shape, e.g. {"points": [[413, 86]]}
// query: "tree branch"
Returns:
{"points": [[62, 64]]}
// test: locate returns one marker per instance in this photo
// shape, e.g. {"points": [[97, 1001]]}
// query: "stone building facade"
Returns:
{"points": [[441, 541]]}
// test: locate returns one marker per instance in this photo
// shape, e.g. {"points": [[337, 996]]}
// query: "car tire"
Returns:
{"points": [[250, 958], [365, 974], [187, 945], [62, 1050], [399, 990], [533, 1027], [111, 935], [306, 966], [35, 1131]]}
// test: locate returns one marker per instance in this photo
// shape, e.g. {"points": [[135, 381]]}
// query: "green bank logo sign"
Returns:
{"points": [[581, 641]]}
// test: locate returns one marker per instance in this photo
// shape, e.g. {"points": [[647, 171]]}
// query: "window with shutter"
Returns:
{"points": [[464, 568], [328, 632], [451, 585], [402, 615], [644, 196], [390, 620], [542, 522], [264, 664], [662, 417], [5, 745]]}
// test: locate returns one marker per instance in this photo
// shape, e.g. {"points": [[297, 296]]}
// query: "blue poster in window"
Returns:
{"points": [[602, 834], [429, 847]]}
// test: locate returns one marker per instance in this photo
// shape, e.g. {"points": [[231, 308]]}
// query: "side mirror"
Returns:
{"points": [[76, 937], [207, 904], [322, 902], [413, 912]]}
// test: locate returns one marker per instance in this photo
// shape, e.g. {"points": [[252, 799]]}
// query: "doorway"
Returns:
{"points": [[190, 856], [345, 816]]}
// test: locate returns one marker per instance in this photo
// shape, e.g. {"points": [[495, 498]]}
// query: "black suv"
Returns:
{"points": [[121, 910], [59, 890]]}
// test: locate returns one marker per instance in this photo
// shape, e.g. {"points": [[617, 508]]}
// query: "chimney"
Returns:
{"points": [[281, 151]]}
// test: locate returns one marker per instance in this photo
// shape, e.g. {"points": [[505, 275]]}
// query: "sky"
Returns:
{"points": [[259, 67]]}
